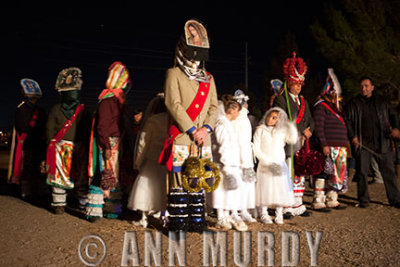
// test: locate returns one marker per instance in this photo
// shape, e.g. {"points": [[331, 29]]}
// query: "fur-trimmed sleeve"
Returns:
{"points": [[292, 135]]}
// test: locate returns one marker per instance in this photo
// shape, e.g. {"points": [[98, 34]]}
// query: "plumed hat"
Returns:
{"points": [[31, 87], [194, 43], [295, 69], [332, 84], [69, 79]]}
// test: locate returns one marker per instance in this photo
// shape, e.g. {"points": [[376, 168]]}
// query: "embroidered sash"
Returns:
{"points": [[193, 111], [51, 149]]}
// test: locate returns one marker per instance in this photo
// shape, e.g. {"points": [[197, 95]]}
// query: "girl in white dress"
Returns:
{"points": [[226, 199], [273, 187], [148, 191], [242, 126]]}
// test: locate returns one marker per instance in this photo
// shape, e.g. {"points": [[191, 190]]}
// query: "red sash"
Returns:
{"points": [[193, 111], [51, 149], [301, 111], [20, 146], [334, 113]]}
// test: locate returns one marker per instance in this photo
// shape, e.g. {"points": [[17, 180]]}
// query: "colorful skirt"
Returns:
{"points": [[62, 177], [337, 180]]}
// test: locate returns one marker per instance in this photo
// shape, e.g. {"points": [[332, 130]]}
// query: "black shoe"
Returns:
{"points": [[340, 207], [396, 205], [58, 210], [93, 219], [306, 214], [364, 205], [323, 210], [287, 216]]}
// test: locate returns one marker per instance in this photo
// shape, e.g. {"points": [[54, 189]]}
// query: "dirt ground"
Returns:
{"points": [[33, 236]]}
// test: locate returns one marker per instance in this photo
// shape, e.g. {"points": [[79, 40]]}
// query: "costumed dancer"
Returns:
{"points": [[274, 186], [331, 138], [67, 131], [28, 147], [105, 192], [243, 129], [297, 109], [148, 192], [191, 101], [227, 198]]}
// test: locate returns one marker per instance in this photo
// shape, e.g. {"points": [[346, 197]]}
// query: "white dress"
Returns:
{"points": [[243, 129], [226, 156], [149, 190], [273, 185]]}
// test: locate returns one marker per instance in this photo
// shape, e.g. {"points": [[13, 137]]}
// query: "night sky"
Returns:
{"points": [[38, 43]]}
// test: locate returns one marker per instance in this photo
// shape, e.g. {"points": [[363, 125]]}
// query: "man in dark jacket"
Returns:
{"points": [[297, 109], [370, 129]]}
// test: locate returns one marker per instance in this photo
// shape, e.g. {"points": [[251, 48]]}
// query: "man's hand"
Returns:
{"points": [[307, 133], [199, 135], [326, 150], [355, 142]]}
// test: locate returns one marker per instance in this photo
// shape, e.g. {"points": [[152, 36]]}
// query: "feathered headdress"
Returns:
{"points": [[295, 69], [332, 85]]}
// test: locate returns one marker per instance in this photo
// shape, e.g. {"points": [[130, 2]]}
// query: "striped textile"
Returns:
{"points": [[118, 81], [329, 130]]}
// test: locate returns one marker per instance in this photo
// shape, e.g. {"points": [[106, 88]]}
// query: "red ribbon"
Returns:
{"points": [[193, 111], [17, 169], [51, 149], [334, 113], [302, 110]]}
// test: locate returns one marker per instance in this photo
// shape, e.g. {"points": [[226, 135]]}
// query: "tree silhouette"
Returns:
{"points": [[360, 38]]}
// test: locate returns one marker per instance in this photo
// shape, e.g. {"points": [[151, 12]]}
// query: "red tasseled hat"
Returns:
{"points": [[295, 69]]}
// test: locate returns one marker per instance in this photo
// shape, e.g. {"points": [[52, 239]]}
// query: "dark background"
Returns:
{"points": [[40, 41]]}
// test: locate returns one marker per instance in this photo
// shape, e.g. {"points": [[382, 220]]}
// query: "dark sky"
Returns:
{"points": [[41, 42]]}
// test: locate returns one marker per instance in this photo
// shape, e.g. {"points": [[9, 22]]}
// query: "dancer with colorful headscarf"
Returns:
{"points": [[331, 137], [297, 109], [191, 101], [28, 143], [67, 134], [105, 193]]}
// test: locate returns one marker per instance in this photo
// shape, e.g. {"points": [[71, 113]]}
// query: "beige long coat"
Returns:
{"points": [[179, 94]]}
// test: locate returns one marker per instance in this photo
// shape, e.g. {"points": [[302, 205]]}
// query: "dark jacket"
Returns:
{"points": [[35, 139], [387, 120], [307, 120]]}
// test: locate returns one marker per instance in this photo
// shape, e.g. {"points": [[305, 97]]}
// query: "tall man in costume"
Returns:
{"points": [[191, 101], [67, 134], [370, 129], [330, 135], [28, 147], [296, 106], [105, 147]]}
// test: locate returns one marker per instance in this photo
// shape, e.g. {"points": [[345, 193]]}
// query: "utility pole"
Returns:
{"points": [[246, 77]]}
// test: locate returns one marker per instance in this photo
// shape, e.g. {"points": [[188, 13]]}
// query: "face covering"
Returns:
{"points": [[69, 101]]}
